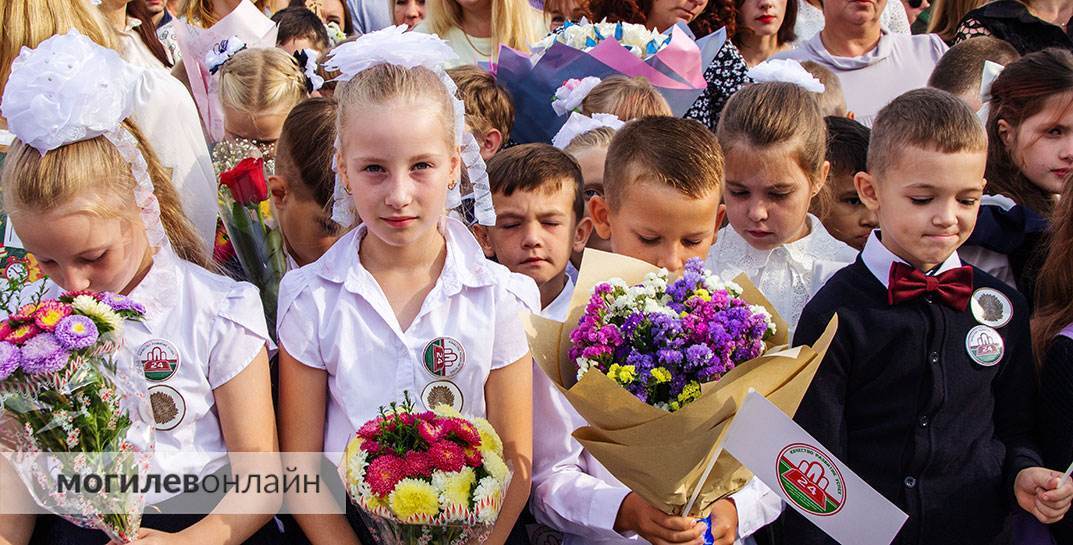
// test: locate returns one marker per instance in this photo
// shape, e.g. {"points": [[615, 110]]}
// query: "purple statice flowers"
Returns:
{"points": [[661, 341]]}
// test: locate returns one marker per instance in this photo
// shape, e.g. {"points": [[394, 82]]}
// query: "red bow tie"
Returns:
{"points": [[953, 287]]}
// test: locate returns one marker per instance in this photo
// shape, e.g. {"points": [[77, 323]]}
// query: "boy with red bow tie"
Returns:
{"points": [[928, 391]]}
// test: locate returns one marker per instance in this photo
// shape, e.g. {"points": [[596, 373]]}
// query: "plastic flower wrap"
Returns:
{"points": [[671, 61], [251, 233], [426, 478], [661, 340], [71, 405], [658, 368]]}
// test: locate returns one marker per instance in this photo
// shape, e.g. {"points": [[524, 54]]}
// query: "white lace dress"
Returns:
{"points": [[788, 275], [810, 19]]}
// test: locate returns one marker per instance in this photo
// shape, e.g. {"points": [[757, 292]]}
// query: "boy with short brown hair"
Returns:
{"points": [[489, 108], [927, 391]]}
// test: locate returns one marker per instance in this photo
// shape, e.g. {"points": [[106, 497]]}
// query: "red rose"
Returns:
{"points": [[247, 181]]}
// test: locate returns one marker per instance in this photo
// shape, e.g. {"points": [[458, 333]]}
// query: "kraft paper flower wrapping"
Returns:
{"points": [[661, 455]]}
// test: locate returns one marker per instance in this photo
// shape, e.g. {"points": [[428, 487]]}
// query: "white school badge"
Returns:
{"points": [[442, 392], [169, 407], [985, 345], [159, 359], [991, 307], [444, 357]]}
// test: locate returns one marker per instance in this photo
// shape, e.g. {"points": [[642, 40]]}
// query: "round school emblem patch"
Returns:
{"points": [[984, 345], [811, 480], [168, 405], [444, 357], [159, 359], [991, 307], [442, 392]]}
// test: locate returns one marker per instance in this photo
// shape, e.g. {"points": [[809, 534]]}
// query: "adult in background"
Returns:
{"points": [[727, 73], [810, 19], [1029, 26], [369, 15], [166, 115], [873, 64], [946, 15], [765, 27], [407, 12], [132, 21], [476, 28]]}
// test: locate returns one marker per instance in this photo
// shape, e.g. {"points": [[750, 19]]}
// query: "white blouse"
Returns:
{"points": [[334, 316], [201, 330], [810, 19], [788, 275]]}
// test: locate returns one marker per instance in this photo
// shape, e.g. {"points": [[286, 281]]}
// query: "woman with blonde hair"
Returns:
{"points": [[166, 113], [476, 28]]}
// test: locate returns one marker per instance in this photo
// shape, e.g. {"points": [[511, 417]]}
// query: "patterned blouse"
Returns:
{"points": [[725, 76], [1011, 21]]}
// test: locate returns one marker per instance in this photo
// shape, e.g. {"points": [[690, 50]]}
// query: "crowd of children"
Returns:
{"points": [[940, 231]]}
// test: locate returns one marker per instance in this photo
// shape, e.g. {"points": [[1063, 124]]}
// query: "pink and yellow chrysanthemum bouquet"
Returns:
{"points": [[69, 406], [429, 478]]}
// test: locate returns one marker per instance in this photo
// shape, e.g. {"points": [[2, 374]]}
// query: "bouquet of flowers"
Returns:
{"points": [[250, 232], [671, 61], [650, 362], [426, 478], [637, 39], [661, 341], [70, 405]]}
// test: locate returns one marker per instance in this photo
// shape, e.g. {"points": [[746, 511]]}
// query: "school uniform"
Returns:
{"points": [[789, 274], [575, 494], [1056, 414], [928, 395], [200, 331], [334, 316]]}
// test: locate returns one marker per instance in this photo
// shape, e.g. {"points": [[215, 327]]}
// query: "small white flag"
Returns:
{"points": [[808, 478]]}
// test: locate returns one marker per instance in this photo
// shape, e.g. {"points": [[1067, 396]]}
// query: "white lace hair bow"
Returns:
{"points": [[570, 95], [579, 124], [788, 71], [990, 73], [70, 89], [394, 45]]}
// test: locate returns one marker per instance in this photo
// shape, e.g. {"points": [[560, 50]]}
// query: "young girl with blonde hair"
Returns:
{"points": [[476, 30], [258, 88], [90, 199], [355, 325]]}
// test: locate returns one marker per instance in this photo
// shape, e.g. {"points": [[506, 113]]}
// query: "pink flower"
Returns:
{"points": [[463, 430], [370, 446], [384, 473], [418, 464], [430, 431], [49, 315], [370, 429], [25, 313], [447, 456], [474, 457]]}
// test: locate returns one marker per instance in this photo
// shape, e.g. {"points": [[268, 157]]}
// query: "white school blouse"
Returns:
{"points": [[334, 316], [788, 275], [201, 330], [574, 494]]}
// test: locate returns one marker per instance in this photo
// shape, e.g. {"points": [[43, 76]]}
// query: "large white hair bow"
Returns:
{"points": [[70, 89], [394, 45]]}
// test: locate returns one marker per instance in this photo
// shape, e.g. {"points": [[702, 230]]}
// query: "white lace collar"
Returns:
{"points": [[158, 291], [731, 251]]}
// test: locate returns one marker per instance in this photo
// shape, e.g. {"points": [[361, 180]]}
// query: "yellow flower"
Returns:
{"points": [[495, 466], [490, 441], [413, 498], [446, 411], [703, 294], [661, 375], [455, 487], [97, 311], [689, 393], [623, 374]]}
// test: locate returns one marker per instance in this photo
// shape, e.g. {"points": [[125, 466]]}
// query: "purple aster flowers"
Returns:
{"points": [[660, 340]]}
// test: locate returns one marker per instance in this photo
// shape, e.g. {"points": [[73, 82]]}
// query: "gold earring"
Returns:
{"points": [[346, 187], [451, 185]]}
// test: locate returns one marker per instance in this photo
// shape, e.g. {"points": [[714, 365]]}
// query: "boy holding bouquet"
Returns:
{"points": [[927, 391], [657, 168]]}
